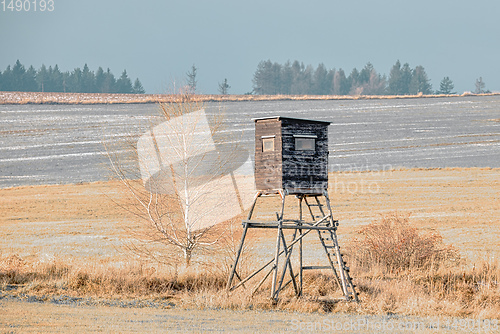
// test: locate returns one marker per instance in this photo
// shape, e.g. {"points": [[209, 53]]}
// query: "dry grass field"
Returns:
{"points": [[94, 98], [70, 242]]}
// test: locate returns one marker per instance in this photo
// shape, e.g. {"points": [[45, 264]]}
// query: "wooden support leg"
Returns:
{"points": [[300, 250], [233, 269], [245, 229], [287, 264], [276, 258], [278, 243]]}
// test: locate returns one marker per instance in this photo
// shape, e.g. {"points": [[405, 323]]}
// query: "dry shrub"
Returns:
{"points": [[399, 269], [394, 245], [10, 267]]}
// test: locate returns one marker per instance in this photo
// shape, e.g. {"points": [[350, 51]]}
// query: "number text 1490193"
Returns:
{"points": [[27, 5]]}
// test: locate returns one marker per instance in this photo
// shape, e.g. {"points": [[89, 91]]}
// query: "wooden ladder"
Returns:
{"points": [[329, 241]]}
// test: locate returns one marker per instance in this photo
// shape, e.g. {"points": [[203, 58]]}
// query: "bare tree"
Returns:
{"points": [[224, 87], [480, 85], [191, 180], [191, 79]]}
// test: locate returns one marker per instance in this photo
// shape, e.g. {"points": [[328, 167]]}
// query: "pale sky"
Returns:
{"points": [[159, 41]]}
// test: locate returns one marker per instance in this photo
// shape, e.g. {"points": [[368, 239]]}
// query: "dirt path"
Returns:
{"points": [[34, 317]]}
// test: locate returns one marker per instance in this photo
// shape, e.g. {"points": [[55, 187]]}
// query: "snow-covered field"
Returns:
{"points": [[49, 144]]}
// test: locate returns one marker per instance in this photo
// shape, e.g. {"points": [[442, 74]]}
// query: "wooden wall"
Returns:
{"points": [[304, 171], [286, 168], [268, 164]]}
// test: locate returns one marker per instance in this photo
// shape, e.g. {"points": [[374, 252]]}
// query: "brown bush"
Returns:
{"points": [[393, 244]]}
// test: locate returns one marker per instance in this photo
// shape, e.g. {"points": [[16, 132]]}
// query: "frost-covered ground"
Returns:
{"points": [[47, 144]]}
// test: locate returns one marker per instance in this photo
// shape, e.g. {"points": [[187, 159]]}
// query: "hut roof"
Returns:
{"points": [[290, 118]]}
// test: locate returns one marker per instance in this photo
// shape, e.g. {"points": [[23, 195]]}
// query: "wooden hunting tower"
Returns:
{"points": [[291, 154], [291, 158]]}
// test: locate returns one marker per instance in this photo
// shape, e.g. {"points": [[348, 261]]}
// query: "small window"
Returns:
{"points": [[268, 144], [305, 142]]}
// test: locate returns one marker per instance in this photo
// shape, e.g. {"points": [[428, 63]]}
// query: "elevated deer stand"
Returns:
{"points": [[291, 158]]}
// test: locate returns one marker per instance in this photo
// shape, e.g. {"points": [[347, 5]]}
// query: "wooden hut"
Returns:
{"points": [[291, 158], [291, 154]]}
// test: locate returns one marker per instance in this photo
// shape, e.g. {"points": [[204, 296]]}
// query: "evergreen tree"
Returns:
{"points": [[340, 83], [353, 79], [41, 78], [297, 70], [286, 78], [365, 74], [65, 79], [446, 86], [298, 79], [307, 80], [7, 79], [331, 76], [302, 79], [405, 80], [29, 80], [100, 78], [276, 78], [18, 72], [123, 84], [419, 82], [75, 81], [88, 80], [321, 84], [56, 80], [109, 84], [399, 79], [52, 79], [395, 79], [263, 79], [376, 84], [138, 89]]}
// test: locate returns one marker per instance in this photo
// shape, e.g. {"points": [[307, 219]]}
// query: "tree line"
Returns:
{"points": [[297, 79], [51, 79]]}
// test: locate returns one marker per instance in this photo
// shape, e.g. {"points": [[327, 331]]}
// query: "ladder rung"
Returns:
{"points": [[316, 267]]}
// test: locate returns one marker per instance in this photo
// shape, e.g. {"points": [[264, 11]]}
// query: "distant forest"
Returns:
{"points": [[297, 79], [18, 78]]}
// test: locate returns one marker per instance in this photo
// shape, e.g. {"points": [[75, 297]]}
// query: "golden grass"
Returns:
{"points": [[101, 98], [65, 240], [452, 291]]}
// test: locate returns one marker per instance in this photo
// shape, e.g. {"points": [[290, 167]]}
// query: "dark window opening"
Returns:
{"points": [[305, 143]]}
